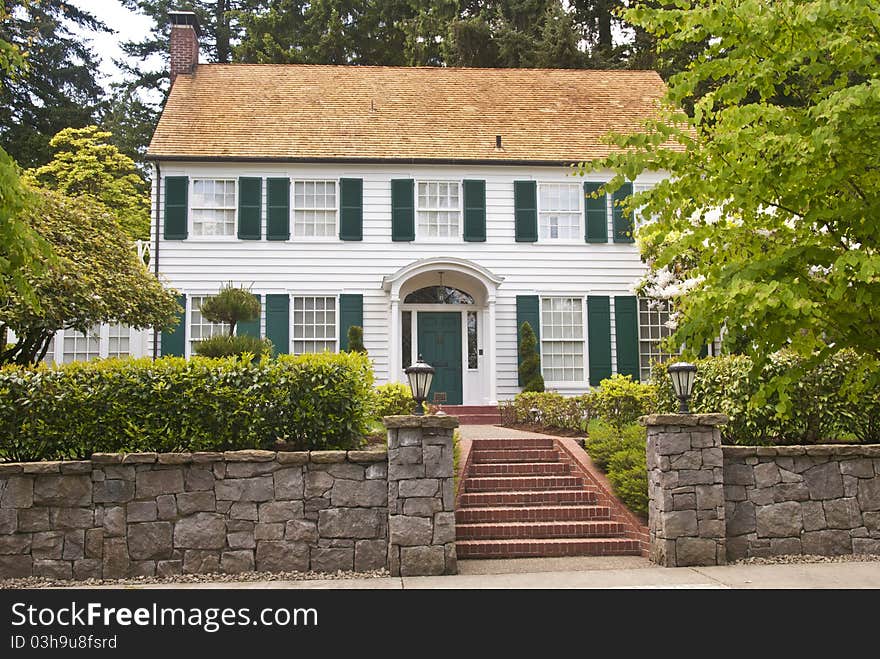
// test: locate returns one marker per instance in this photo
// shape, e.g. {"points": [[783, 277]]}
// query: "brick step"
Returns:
{"points": [[528, 498], [522, 548], [512, 455], [513, 443], [494, 483], [569, 529], [546, 513], [519, 469], [479, 419]]}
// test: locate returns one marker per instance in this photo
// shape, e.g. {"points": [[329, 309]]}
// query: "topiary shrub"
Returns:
{"points": [[231, 305], [314, 402], [619, 401], [392, 399], [231, 346], [356, 339], [529, 360]]}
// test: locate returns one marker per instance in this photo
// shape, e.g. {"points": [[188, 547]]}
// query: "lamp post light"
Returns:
{"points": [[682, 375], [420, 376]]}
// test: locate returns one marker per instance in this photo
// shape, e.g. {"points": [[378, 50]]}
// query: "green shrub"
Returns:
{"points": [[620, 401], [231, 305], [553, 410], [356, 339], [529, 360], [224, 345], [604, 440], [827, 403], [321, 401], [392, 399]]}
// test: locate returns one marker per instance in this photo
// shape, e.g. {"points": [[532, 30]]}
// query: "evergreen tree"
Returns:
{"points": [[231, 306], [57, 88], [356, 339], [529, 360]]}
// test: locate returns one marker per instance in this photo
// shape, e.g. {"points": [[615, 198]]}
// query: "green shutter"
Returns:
{"points": [[351, 312], [174, 342], [527, 311], [278, 322], [278, 208], [351, 209], [250, 327], [250, 205], [474, 211], [595, 215], [623, 222], [403, 212], [599, 338], [626, 330], [525, 211], [176, 194]]}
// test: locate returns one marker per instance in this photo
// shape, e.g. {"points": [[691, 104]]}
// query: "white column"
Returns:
{"points": [[490, 333], [394, 360]]}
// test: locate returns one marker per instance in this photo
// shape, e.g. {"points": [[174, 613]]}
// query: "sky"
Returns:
{"points": [[126, 25]]}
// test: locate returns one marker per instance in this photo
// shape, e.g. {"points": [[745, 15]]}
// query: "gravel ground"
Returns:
{"points": [[42, 582], [808, 558]]}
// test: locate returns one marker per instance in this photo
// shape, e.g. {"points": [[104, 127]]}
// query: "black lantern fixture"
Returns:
{"points": [[420, 376], [682, 375]]}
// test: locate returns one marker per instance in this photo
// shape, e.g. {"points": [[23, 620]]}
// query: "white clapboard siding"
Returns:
{"points": [[330, 266]]}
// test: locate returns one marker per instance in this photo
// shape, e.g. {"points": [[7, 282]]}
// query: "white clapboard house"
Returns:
{"points": [[434, 207]]}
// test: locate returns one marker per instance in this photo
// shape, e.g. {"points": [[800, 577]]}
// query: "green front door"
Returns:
{"points": [[440, 346]]}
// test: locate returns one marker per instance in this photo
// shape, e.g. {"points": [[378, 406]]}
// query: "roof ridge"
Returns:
{"points": [[398, 67]]}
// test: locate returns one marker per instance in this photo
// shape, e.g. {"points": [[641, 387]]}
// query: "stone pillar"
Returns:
{"points": [[421, 495], [686, 489]]}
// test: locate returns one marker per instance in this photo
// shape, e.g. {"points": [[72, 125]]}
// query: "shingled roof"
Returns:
{"points": [[291, 112]]}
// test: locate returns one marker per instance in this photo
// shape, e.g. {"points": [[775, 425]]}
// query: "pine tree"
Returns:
{"points": [[529, 360], [231, 305]]}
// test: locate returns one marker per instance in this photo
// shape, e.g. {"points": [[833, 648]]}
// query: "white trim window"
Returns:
{"points": [[653, 316], [314, 209], [81, 347], [118, 340], [639, 216], [199, 327], [314, 324], [560, 211], [562, 339], [213, 207], [438, 209]]}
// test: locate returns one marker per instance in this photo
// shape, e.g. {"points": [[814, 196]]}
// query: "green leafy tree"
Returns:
{"points": [[356, 339], [95, 277], [86, 164], [58, 87], [529, 360], [768, 218], [231, 306]]}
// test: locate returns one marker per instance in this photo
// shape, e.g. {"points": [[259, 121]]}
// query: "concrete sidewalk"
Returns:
{"points": [[587, 572]]}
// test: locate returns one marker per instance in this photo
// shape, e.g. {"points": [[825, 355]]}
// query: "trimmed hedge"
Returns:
{"points": [[321, 401], [826, 404], [620, 453], [392, 399], [553, 410]]}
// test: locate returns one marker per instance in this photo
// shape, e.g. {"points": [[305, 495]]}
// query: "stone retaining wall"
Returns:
{"points": [[711, 504], [117, 515], [821, 500]]}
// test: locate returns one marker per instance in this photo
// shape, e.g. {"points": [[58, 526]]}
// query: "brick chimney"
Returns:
{"points": [[184, 42]]}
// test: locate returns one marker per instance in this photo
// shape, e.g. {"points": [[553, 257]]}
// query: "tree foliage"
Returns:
{"points": [[96, 277], [769, 215], [86, 164], [231, 305], [529, 360], [58, 88], [356, 339]]}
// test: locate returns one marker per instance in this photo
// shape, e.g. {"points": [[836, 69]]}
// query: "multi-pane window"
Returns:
{"points": [[562, 339], [118, 340], [213, 207], [201, 328], [49, 356], [314, 208], [406, 339], [473, 350], [653, 316], [559, 214], [439, 209], [314, 324], [82, 347], [640, 217]]}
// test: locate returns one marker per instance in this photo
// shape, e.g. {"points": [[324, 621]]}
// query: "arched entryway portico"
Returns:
{"points": [[444, 308]]}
